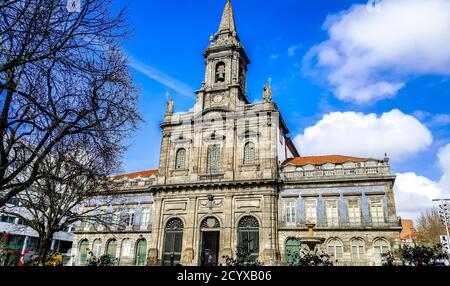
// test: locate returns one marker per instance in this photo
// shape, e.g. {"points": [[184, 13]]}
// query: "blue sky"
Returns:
{"points": [[391, 78]]}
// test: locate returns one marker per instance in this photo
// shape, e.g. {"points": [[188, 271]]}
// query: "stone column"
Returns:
{"points": [[190, 229], [227, 245], [268, 232], [154, 244]]}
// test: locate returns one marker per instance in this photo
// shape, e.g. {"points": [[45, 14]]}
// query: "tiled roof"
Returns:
{"points": [[408, 229], [136, 175], [322, 160]]}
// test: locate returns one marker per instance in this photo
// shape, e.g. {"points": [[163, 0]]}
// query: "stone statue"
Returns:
{"points": [[267, 93], [170, 107]]}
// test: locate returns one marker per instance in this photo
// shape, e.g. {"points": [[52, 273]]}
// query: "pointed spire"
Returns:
{"points": [[227, 24]]}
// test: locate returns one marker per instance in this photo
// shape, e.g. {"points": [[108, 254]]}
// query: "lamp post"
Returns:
{"points": [[444, 213]]}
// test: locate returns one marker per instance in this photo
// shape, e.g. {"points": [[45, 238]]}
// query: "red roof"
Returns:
{"points": [[322, 160], [408, 230], [136, 175]]}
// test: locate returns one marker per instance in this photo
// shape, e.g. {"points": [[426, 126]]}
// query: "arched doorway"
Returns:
{"points": [[292, 252], [141, 252], [210, 241], [173, 242], [248, 238], [84, 246]]}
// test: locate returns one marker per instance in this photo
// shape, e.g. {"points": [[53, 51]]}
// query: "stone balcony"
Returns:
{"points": [[320, 174], [343, 224]]}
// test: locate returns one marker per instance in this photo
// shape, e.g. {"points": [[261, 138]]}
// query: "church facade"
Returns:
{"points": [[230, 179]]}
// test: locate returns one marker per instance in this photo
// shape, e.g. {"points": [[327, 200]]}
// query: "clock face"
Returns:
{"points": [[218, 98]]}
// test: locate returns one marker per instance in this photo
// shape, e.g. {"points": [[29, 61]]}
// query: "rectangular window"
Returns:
{"points": [[332, 212], [357, 252], [8, 219], [290, 212], [377, 211], [354, 212], [116, 218], [130, 217], [145, 218], [213, 159], [311, 210]]}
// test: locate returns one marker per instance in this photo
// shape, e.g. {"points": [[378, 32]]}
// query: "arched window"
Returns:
{"points": [[141, 252], [292, 252], [357, 248], [111, 249], [380, 246], [249, 153], [84, 246], [248, 237], [335, 248], [173, 242], [180, 160], [213, 159], [126, 249], [220, 72], [97, 248]]}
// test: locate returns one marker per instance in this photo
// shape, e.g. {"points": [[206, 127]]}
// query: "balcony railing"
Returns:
{"points": [[311, 174], [345, 224], [119, 228]]}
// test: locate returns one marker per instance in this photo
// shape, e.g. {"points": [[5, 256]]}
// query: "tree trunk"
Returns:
{"points": [[43, 250]]}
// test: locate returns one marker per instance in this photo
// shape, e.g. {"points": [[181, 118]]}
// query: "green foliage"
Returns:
{"points": [[4, 241], [243, 258], [388, 259], [414, 256], [306, 257], [103, 261]]}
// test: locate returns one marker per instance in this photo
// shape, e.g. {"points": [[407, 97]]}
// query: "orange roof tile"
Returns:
{"points": [[136, 175], [322, 160]]}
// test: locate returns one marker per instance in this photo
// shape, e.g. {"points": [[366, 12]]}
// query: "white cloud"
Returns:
{"points": [[162, 78], [369, 56], [365, 135], [414, 193], [292, 50], [440, 120]]}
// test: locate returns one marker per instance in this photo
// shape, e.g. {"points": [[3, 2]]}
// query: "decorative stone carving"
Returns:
{"points": [[267, 93], [170, 107], [212, 204]]}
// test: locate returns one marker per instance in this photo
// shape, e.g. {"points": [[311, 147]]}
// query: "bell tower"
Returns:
{"points": [[226, 64]]}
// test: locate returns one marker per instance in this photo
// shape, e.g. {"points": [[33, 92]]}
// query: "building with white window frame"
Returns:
{"points": [[230, 178]]}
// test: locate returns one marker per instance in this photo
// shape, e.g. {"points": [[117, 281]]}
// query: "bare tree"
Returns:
{"points": [[429, 228], [63, 79], [54, 202]]}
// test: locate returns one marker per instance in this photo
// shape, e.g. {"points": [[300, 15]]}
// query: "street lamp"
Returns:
{"points": [[444, 214]]}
